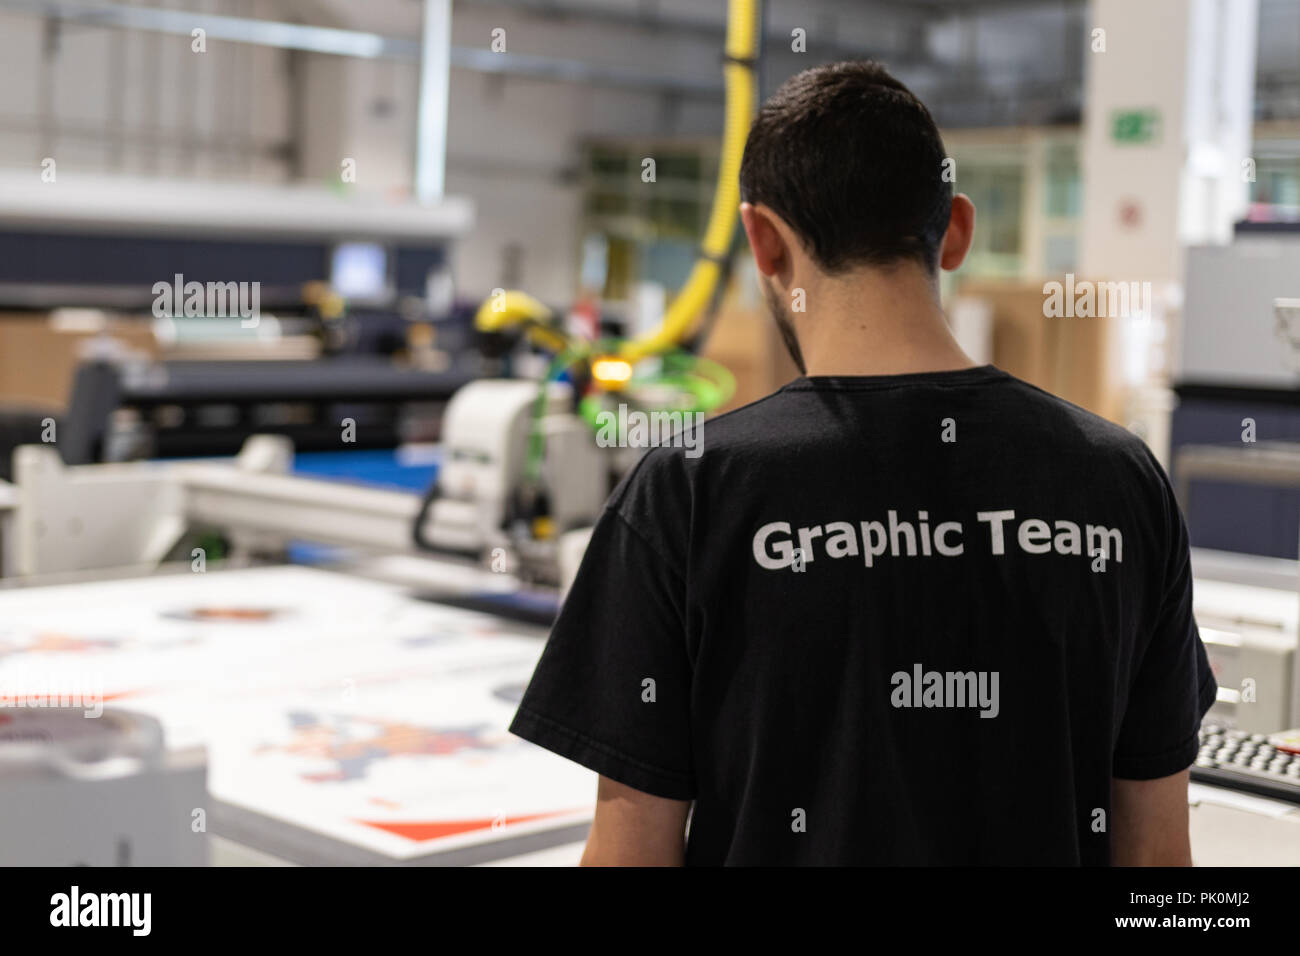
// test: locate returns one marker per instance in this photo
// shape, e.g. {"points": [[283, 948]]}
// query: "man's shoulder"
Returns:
{"points": [[788, 414], [1010, 414], [1066, 426], [666, 471], [760, 419], [750, 422]]}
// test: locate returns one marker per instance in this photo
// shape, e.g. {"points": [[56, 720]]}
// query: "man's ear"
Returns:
{"points": [[960, 232], [766, 241]]}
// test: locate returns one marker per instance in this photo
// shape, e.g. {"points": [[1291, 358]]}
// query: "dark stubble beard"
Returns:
{"points": [[784, 325]]}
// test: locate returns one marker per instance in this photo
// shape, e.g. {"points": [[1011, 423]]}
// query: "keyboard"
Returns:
{"points": [[1243, 761]]}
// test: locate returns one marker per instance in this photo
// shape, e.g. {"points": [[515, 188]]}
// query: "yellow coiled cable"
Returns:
{"points": [[513, 307]]}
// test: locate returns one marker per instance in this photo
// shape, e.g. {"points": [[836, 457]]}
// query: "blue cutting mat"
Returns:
{"points": [[382, 468]]}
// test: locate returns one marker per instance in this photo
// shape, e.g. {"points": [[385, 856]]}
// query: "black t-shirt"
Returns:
{"points": [[910, 619]]}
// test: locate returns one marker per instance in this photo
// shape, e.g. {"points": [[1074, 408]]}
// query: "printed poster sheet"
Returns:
{"points": [[339, 705]]}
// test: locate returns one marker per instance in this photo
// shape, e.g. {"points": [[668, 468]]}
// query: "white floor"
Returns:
{"points": [[1232, 829]]}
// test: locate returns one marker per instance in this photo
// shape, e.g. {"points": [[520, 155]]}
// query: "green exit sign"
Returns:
{"points": [[1135, 126]]}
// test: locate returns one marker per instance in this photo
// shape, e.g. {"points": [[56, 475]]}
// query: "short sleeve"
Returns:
{"points": [[1173, 685], [612, 688]]}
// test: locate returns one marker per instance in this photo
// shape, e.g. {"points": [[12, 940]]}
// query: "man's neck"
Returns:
{"points": [[877, 322]]}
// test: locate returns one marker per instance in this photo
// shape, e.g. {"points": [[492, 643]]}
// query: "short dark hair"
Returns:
{"points": [[853, 161]]}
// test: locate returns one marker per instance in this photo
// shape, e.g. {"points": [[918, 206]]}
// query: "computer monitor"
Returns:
{"points": [[359, 271]]}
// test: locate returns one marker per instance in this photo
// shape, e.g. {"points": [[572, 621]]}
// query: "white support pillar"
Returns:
{"points": [[1168, 109], [1167, 132], [435, 80]]}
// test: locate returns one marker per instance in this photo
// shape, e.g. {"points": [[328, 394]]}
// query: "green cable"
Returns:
{"points": [[536, 438], [707, 382]]}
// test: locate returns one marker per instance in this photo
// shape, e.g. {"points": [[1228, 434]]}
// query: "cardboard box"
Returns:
{"points": [[39, 356], [1070, 356]]}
